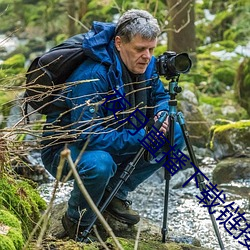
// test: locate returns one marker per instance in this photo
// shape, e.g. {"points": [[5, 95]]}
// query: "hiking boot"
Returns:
{"points": [[75, 231], [121, 211]]}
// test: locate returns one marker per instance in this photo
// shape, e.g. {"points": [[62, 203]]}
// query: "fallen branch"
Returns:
{"points": [[65, 154]]}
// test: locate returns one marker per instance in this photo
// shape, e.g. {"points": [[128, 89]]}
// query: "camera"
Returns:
{"points": [[171, 65]]}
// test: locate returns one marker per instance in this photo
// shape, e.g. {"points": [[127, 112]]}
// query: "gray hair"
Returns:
{"points": [[137, 22]]}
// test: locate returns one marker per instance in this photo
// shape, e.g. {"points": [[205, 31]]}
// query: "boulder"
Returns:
{"points": [[231, 169], [230, 143], [230, 139]]}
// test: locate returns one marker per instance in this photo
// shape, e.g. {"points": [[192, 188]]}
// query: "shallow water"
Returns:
{"points": [[186, 217]]}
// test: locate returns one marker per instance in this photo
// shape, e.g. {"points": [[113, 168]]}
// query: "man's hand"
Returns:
{"points": [[165, 125]]}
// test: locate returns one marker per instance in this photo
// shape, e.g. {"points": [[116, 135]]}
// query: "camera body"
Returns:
{"points": [[171, 65]]}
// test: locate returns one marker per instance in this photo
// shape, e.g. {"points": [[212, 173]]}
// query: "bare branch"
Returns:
{"points": [[77, 21], [66, 154]]}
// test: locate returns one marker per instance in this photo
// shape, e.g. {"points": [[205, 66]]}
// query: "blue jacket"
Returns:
{"points": [[88, 118]]}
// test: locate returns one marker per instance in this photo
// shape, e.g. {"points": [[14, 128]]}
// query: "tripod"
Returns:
{"points": [[124, 176], [173, 90]]}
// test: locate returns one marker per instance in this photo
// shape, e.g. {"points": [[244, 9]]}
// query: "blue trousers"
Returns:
{"points": [[99, 170]]}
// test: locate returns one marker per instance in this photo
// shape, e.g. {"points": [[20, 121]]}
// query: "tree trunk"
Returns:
{"points": [[181, 27], [71, 6], [83, 7]]}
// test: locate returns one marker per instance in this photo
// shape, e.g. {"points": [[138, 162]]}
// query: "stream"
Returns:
{"points": [[186, 217]]}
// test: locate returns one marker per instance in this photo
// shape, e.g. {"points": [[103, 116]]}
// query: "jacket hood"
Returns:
{"points": [[98, 43]]}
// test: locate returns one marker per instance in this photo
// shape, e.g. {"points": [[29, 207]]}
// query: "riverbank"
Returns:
{"points": [[186, 218]]}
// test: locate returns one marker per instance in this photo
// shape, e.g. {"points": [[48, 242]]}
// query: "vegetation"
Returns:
{"points": [[47, 23], [20, 209], [11, 233]]}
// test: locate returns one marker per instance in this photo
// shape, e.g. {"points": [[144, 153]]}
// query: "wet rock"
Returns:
{"points": [[231, 169]]}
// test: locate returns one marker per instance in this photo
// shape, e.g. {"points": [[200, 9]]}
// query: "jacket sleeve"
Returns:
{"points": [[89, 121]]}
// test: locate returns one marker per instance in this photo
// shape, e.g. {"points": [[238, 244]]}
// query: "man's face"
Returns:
{"points": [[137, 53]]}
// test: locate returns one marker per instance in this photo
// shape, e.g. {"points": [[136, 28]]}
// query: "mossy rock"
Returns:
{"points": [[11, 237], [128, 244], [230, 139], [22, 200]]}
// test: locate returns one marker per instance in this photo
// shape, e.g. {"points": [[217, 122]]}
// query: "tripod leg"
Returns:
{"points": [[124, 176], [167, 177], [164, 229], [200, 178]]}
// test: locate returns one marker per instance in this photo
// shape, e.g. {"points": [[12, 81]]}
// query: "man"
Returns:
{"points": [[121, 70]]}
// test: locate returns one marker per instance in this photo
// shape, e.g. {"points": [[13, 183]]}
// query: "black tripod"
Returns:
{"points": [[173, 90]]}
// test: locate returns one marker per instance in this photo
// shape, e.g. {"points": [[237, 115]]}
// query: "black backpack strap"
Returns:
{"points": [[26, 112]]}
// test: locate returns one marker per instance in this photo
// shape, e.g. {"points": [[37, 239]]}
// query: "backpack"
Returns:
{"points": [[47, 74]]}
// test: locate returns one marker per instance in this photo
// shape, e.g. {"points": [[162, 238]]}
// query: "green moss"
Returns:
{"points": [[228, 45], [16, 61], [16, 237], [128, 244], [219, 102], [220, 24], [225, 75], [6, 243], [219, 131], [13, 71], [221, 122], [174, 246], [21, 199], [9, 219], [236, 125], [214, 101], [13, 239], [91, 247]]}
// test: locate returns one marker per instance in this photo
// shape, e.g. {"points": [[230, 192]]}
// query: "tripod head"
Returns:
{"points": [[174, 89]]}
